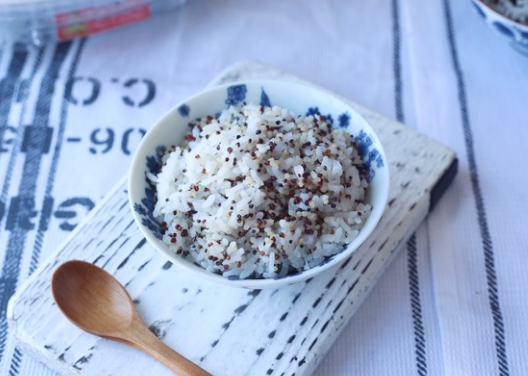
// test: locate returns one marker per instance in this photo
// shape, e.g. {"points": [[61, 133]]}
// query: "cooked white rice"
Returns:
{"points": [[261, 193]]}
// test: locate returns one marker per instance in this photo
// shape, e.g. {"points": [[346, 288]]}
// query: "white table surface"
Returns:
{"points": [[452, 304]]}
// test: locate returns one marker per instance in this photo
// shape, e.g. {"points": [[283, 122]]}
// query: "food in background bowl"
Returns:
{"points": [[312, 105], [258, 192], [517, 10]]}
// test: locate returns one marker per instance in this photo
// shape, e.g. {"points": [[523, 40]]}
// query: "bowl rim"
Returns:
{"points": [[500, 15], [137, 166]]}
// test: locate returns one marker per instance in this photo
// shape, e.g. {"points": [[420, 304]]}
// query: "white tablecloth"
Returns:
{"points": [[453, 303]]}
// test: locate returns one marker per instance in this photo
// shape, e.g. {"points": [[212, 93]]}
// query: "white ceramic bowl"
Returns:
{"points": [[300, 99]]}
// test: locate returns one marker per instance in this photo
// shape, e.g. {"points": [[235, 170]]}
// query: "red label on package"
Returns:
{"points": [[88, 21]]}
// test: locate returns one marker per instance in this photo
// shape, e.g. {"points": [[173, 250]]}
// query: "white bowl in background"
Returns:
{"points": [[513, 32]]}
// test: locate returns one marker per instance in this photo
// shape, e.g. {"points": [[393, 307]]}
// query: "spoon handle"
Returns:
{"points": [[153, 346]]}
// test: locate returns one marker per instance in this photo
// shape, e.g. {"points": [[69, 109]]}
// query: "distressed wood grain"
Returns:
{"points": [[228, 331]]}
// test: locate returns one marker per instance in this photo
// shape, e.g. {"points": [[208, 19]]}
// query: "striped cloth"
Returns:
{"points": [[453, 303]]}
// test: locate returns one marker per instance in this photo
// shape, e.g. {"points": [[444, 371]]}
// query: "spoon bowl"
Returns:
{"points": [[77, 285], [96, 302]]}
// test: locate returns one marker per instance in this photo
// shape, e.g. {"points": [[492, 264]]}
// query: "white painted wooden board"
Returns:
{"points": [[228, 331]]}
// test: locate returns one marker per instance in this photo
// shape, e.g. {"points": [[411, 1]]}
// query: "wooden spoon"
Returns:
{"points": [[96, 302]]}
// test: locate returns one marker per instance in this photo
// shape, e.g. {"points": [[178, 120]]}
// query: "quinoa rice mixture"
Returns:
{"points": [[261, 193]]}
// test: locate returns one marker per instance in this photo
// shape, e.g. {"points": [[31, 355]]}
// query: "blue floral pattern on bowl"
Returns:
{"points": [[515, 33], [371, 156], [329, 119], [184, 110], [264, 99], [236, 94], [148, 202], [312, 111], [344, 120]]}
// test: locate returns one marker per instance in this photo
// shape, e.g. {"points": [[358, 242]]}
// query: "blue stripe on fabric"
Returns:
{"points": [[487, 245], [7, 93], [2, 48], [416, 307], [396, 58], [8, 85], [16, 363], [48, 199], [20, 222], [16, 144], [2, 53], [413, 275]]}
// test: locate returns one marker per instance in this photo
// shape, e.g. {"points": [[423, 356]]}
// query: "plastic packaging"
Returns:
{"points": [[41, 21]]}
